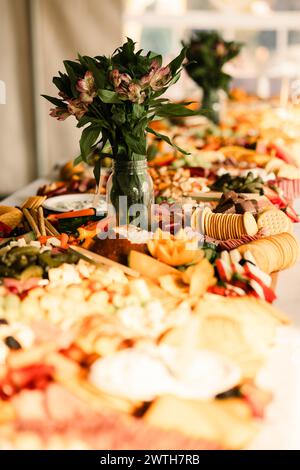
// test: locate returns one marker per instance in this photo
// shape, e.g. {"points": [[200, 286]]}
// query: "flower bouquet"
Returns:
{"points": [[114, 99], [207, 53]]}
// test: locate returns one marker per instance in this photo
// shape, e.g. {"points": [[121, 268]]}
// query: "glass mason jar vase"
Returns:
{"points": [[130, 191], [211, 104]]}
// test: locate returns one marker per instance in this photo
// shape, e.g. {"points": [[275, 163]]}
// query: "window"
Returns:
{"points": [[270, 30]]}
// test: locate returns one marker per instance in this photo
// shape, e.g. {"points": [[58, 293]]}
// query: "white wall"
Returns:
{"points": [[35, 37]]}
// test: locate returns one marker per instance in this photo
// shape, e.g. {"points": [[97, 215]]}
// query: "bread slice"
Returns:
{"points": [[228, 422]]}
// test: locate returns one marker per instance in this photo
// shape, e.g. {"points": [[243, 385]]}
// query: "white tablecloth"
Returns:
{"points": [[17, 198], [288, 289]]}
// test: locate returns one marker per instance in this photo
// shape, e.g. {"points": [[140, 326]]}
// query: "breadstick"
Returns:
{"points": [[34, 216], [31, 222], [27, 203], [38, 201], [52, 230], [41, 221]]}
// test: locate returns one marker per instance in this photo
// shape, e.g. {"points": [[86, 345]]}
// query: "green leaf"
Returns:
{"points": [[176, 63], [136, 144], [174, 110], [106, 146], [175, 78], [63, 83], [88, 138], [137, 111], [72, 76], [160, 92], [140, 127], [121, 150], [86, 119], [126, 51], [151, 152], [159, 101], [97, 170], [77, 160], [118, 114], [55, 101], [77, 68], [83, 121], [154, 56], [166, 139], [108, 96]]}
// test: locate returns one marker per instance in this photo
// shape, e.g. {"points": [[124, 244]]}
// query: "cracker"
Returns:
{"points": [[274, 221], [250, 224], [204, 214]]}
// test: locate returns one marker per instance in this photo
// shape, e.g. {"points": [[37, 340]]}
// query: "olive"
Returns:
{"points": [[12, 343]]}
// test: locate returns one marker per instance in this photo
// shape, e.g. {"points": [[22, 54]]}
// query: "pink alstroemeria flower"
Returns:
{"points": [[121, 82], [119, 79], [115, 77], [160, 78], [125, 81], [63, 95], [77, 108], [146, 79], [59, 113], [135, 93], [126, 87], [87, 88], [154, 64]]}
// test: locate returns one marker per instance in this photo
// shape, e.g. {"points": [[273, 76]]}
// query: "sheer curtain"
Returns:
{"points": [[35, 37]]}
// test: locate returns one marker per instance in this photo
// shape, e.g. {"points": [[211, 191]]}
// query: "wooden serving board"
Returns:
{"points": [[216, 196]]}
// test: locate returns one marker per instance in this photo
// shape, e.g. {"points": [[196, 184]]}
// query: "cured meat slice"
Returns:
{"points": [[30, 406], [63, 407], [56, 416]]}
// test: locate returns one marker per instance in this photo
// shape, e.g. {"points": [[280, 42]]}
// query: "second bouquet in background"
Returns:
{"points": [[115, 99], [207, 53]]}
